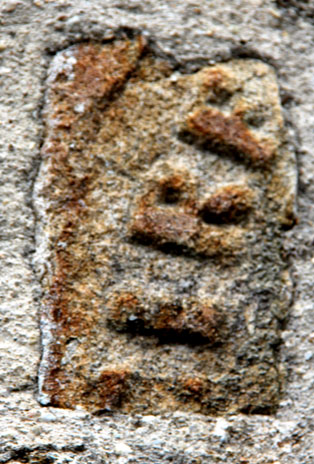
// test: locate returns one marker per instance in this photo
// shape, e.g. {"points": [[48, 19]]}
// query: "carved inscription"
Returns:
{"points": [[162, 200]]}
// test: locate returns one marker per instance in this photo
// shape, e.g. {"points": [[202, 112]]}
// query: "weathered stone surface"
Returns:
{"points": [[162, 200], [192, 34]]}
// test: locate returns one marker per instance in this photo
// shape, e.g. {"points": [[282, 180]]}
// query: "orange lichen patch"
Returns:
{"points": [[184, 320], [62, 293], [96, 73], [228, 133], [228, 205]]}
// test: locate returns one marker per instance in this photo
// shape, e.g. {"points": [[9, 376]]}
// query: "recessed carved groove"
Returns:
{"points": [[171, 190], [187, 321]]}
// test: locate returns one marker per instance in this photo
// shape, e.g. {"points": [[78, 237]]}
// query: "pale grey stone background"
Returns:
{"points": [[191, 32]]}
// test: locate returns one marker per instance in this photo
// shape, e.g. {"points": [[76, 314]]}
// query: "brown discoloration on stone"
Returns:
{"points": [[176, 189], [171, 189], [97, 73], [228, 205], [203, 321], [163, 227], [186, 225], [167, 229], [219, 86], [124, 320], [108, 390], [228, 133], [193, 385]]}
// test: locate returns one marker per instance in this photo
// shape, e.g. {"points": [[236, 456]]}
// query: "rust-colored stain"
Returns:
{"points": [[98, 72], [228, 205], [228, 133], [159, 257]]}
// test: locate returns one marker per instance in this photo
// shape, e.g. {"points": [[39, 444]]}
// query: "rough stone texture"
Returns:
{"points": [[192, 35], [161, 201]]}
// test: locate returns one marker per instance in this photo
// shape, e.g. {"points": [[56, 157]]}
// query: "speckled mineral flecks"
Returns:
{"points": [[162, 206]]}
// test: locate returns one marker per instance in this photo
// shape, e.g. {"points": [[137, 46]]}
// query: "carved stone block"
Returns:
{"points": [[162, 201]]}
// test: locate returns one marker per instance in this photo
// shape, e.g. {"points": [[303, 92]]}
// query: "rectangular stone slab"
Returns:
{"points": [[162, 200]]}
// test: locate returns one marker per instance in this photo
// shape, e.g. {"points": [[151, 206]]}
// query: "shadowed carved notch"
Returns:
{"points": [[171, 189], [188, 321]]}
